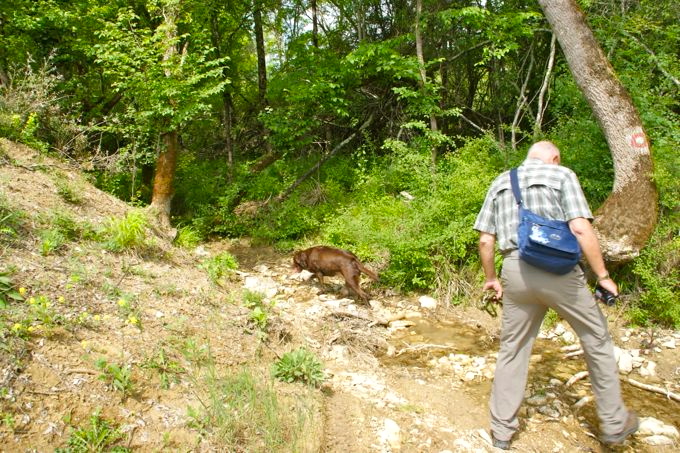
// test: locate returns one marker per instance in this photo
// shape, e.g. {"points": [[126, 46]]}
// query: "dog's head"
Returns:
{"points": [[300, 261]]}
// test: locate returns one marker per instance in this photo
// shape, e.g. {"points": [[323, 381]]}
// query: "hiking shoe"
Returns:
{"points": [[629, 428], [502, 444]]}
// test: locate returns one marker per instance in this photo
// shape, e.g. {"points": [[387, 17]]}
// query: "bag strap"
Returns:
{"points": [[514, 182]]}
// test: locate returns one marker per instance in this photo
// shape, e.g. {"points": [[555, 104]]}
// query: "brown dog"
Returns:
{"points": [[329, 261]]}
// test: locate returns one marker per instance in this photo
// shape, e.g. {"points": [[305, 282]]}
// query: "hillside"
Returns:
{"points": [[151, 349]]}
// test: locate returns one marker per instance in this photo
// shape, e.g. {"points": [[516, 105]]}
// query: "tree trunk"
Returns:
{"points": [[259, 46], [315, 24], [627, 218], [163, 191], [423, 72], [163, 179], [227, 100], [262, 74]]}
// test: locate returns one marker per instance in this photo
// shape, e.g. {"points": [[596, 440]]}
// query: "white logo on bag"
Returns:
{"points": [[537, 234]]}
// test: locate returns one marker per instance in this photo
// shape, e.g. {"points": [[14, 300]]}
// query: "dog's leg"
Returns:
{"points": [[353, 283]]}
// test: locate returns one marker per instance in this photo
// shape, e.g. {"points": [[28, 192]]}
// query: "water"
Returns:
{"points": [[426, 340]]}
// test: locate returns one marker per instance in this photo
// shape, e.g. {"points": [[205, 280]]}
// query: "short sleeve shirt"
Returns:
{"points": [[551, 191]]}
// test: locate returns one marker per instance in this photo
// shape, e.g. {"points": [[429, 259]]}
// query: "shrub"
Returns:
{"points": [[299, 365], [99, 436], [128, 232], [219, 266]]}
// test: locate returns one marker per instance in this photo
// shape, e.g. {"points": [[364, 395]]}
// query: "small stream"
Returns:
{"points": [[417, 345]]}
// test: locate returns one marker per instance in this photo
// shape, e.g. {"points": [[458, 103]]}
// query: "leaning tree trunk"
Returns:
{"points": [[627, 218]]}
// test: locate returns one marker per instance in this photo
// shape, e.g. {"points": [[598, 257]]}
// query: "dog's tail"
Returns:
{"points": [[368, 272]]}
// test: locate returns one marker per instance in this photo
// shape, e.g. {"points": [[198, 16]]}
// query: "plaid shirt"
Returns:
{"points": [[551, 191]]}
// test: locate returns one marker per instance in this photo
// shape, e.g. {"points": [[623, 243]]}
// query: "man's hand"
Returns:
{"points": [[496, 286], [609, 285]]}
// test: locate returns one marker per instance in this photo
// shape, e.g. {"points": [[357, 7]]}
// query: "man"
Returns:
{"points": [[552, 191]]}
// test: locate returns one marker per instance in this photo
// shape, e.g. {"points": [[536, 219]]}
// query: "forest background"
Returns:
{"points": [[372, 125]]}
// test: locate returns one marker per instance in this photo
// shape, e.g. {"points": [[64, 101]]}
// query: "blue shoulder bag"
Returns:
{"points": [[544, 243]]}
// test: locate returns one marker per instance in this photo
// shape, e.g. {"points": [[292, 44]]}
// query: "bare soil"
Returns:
{"points": [[393, 381]]}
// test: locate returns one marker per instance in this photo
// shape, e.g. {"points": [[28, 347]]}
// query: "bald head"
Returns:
{"points": [[545, 151]]}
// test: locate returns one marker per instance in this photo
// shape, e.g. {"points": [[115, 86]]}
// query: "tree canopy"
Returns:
{"points": [[303, 119]]}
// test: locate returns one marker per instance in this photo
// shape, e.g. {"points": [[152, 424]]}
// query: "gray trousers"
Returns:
{"points": [[528, 293]]}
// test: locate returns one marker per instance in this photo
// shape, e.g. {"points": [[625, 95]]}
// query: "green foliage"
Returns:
{"points": [[259, 310], [188, 237], [67, 191], [29, 108], [242, 413], [658, 272], [51, 241], [99, 437], [125, 233], [219, 266], [168, 370], [116, 376], [11, 221], [299, 365], [432, 228], [8, 293]]}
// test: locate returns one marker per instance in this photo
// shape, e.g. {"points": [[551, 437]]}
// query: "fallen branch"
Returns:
{"points": [[575, 378], [667, 393], [573, 354]]}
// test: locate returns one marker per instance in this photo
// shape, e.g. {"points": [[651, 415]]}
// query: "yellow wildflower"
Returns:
{"points": [[22, 291]]}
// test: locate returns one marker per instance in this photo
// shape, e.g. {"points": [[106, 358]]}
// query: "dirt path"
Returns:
{"points": [[420, 382], [399, 377]]}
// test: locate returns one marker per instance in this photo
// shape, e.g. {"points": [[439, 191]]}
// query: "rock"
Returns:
{"points": [[657, 440], [624, 360], [569, 337], [263, 285], [669, 344], [648, 370], [427, 302], [537, 400], [201, 251], [390, 434], [302, 276], [650, 426]]}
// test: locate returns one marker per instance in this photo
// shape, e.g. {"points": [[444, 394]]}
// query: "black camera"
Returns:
{"points": [[605, 296]]}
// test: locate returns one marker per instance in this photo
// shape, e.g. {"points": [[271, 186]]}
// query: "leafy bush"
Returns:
{"points": [[187, 237], [657, 270], [299, 365], [414, 237], [128, 232], [52, 241], [116, 376], [11, 221], [219, 266], [99, 436], [7, 291]]}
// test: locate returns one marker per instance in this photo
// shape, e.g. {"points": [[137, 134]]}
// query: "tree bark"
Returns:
{"points": [[315, 24], [259, 47], [627, 218], [164, 177], [163, 191], [423, 72]]}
